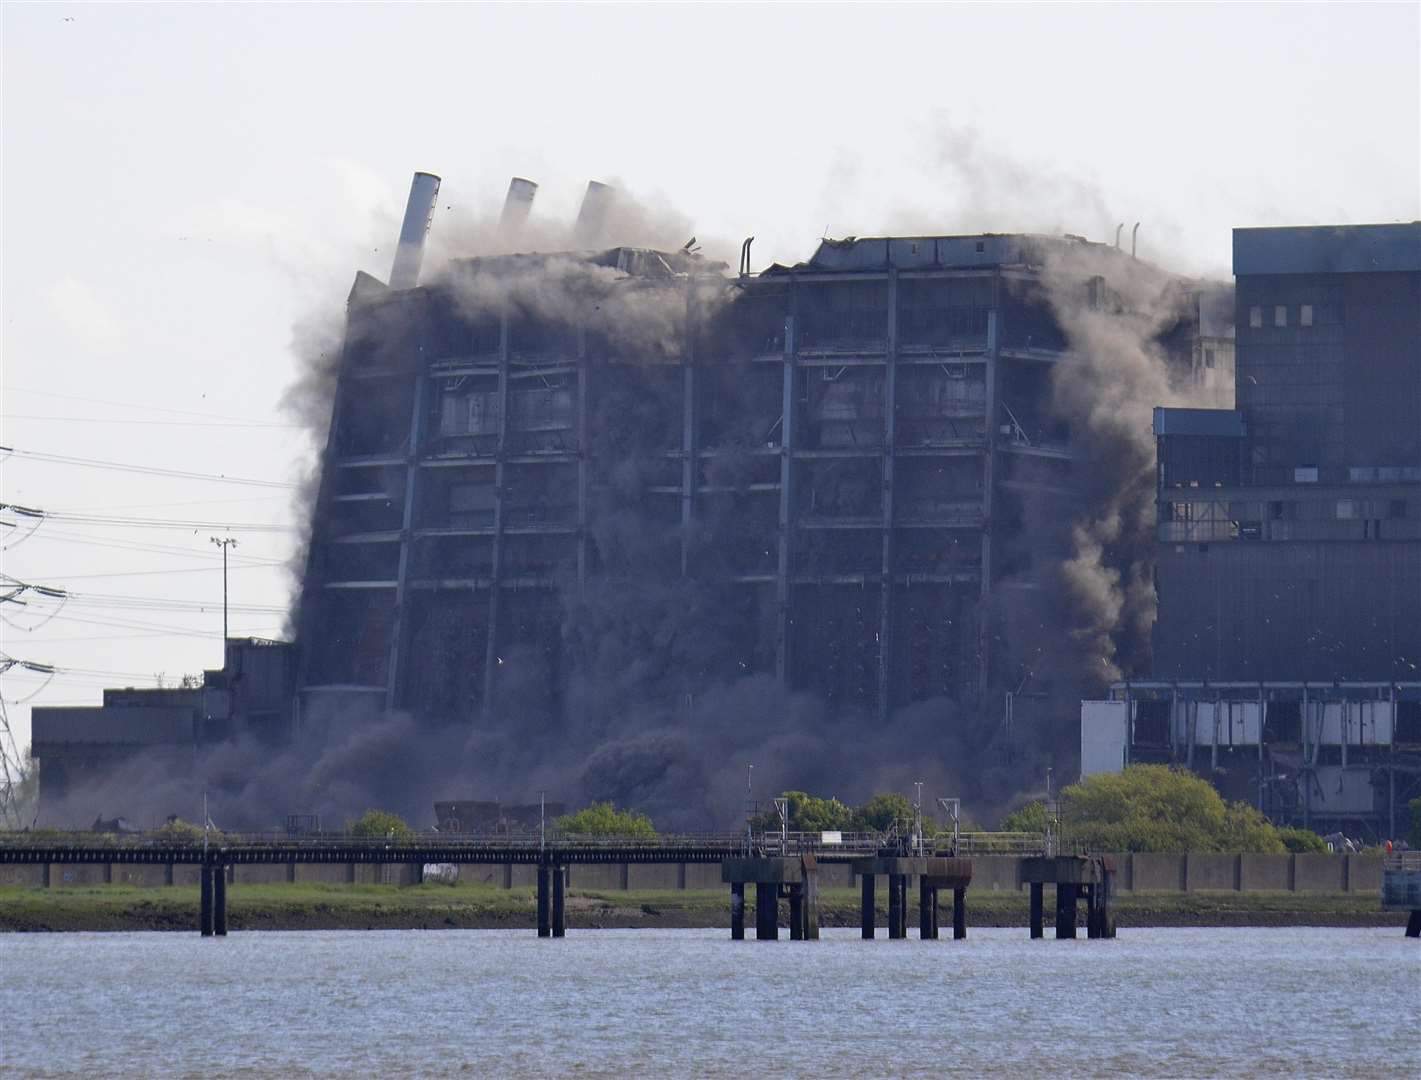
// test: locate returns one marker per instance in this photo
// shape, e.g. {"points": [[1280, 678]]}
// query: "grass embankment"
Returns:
{"points": [[442, 907]]}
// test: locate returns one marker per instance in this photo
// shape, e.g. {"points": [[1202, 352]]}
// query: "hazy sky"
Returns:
{"points": [[183, 183]]}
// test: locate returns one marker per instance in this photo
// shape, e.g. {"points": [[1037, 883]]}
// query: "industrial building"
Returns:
{"points": [[818, 472], [79, 748], [1287, 649]]}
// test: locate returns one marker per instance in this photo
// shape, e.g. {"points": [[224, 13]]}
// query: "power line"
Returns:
{"points": [[151, 423], [124, 521], [128, 404], [146, 470]]}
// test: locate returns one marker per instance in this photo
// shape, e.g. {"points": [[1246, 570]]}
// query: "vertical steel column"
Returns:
{"points": [[925, 910], [866, 899], [959, 913], [689, 458], [989, 465], [890, 440], [204, 913], [544, 881], [559, 910], [219, 900], [1065, 910], [786, 549], [584, 383], [737, 911], [499, 481], [400, 623], [934, 911], [796, 912], [1037, 914]]}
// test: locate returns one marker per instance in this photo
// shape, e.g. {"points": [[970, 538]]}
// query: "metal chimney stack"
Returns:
{"points": [[592, 218], [516, 207], [419, 212]]}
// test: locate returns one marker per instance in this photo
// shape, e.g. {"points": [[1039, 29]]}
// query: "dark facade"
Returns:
{"points": [[1290, 530], [543, 470]]}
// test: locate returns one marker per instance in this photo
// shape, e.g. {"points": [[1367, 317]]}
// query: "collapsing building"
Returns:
{"points": [[560, 485], [1287, 651]]}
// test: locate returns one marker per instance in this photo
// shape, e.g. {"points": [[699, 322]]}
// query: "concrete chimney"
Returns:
{"points": [[591, 224], [419, 212], [516, 207]]}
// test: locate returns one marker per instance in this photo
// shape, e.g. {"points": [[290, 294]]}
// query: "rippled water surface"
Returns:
{"points": [[1317, 1002]]}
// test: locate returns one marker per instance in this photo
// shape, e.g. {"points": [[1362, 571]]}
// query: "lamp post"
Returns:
{"points": [[224, 543]]}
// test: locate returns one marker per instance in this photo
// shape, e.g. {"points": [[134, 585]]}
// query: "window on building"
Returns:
{"points": [[1208, 358], [1255, 317], [1305, 474], [1280, 315], [1305, 315], [1397, 508], [1345, 510], [981, 246]]}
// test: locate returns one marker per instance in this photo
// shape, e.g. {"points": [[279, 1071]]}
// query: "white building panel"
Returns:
{"points": [[1103, 737]]}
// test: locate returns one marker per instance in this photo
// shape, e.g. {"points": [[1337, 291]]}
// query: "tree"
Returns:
{"points": [[808, 813], [380, 825], [22, 805], [884, 811], [604, 819], [1158, 808], [175, 828], [1301, 841], [1030, 817]]}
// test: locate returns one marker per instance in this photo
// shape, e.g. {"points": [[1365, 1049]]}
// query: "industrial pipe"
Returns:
{"points": [[419, 212], [1118, 230], [1133, 233]]}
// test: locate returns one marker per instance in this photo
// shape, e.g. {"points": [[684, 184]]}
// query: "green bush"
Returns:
{"points": [[1158, 808], [808, 813], [1030, 818], [604, 819], [883, 812], [175, 828], [1301, 841], [380, 825]]}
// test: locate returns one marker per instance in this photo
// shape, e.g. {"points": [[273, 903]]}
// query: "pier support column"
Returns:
{"points": [[1037, 915], [927, 900], [895, 906], [737, 911], [219, 900], [959, 914], [204, 914], [1065, 910], [1413, 925], [559, 906], [866, 912], [796, 912], [544, 881], [811, 903], [767, 911]]}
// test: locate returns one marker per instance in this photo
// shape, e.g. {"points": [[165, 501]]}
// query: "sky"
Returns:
{"points": [[185, 184]]}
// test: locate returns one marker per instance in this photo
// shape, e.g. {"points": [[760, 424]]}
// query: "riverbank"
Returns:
{"points": [[470, 907]]}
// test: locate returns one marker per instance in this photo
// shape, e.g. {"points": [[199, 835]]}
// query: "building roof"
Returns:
{"points": [[1328, 249], [880, 253]]}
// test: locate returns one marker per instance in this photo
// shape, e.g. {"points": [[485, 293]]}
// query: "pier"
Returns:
{"points": [[777, 866]]}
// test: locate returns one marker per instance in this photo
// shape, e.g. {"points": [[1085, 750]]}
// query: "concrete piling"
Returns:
{"points": [[559, 907], [767, 911], [1413, 924], [219, 900], [1037, 915], [796, 912], [544, 914], [959, 914], [204, 916], [896, 929], [927, 901], [737, 911], [866, 910], [1065, 910]]}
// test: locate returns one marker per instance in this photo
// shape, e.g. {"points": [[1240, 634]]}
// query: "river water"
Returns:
{"points": [[659, 1003]]}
